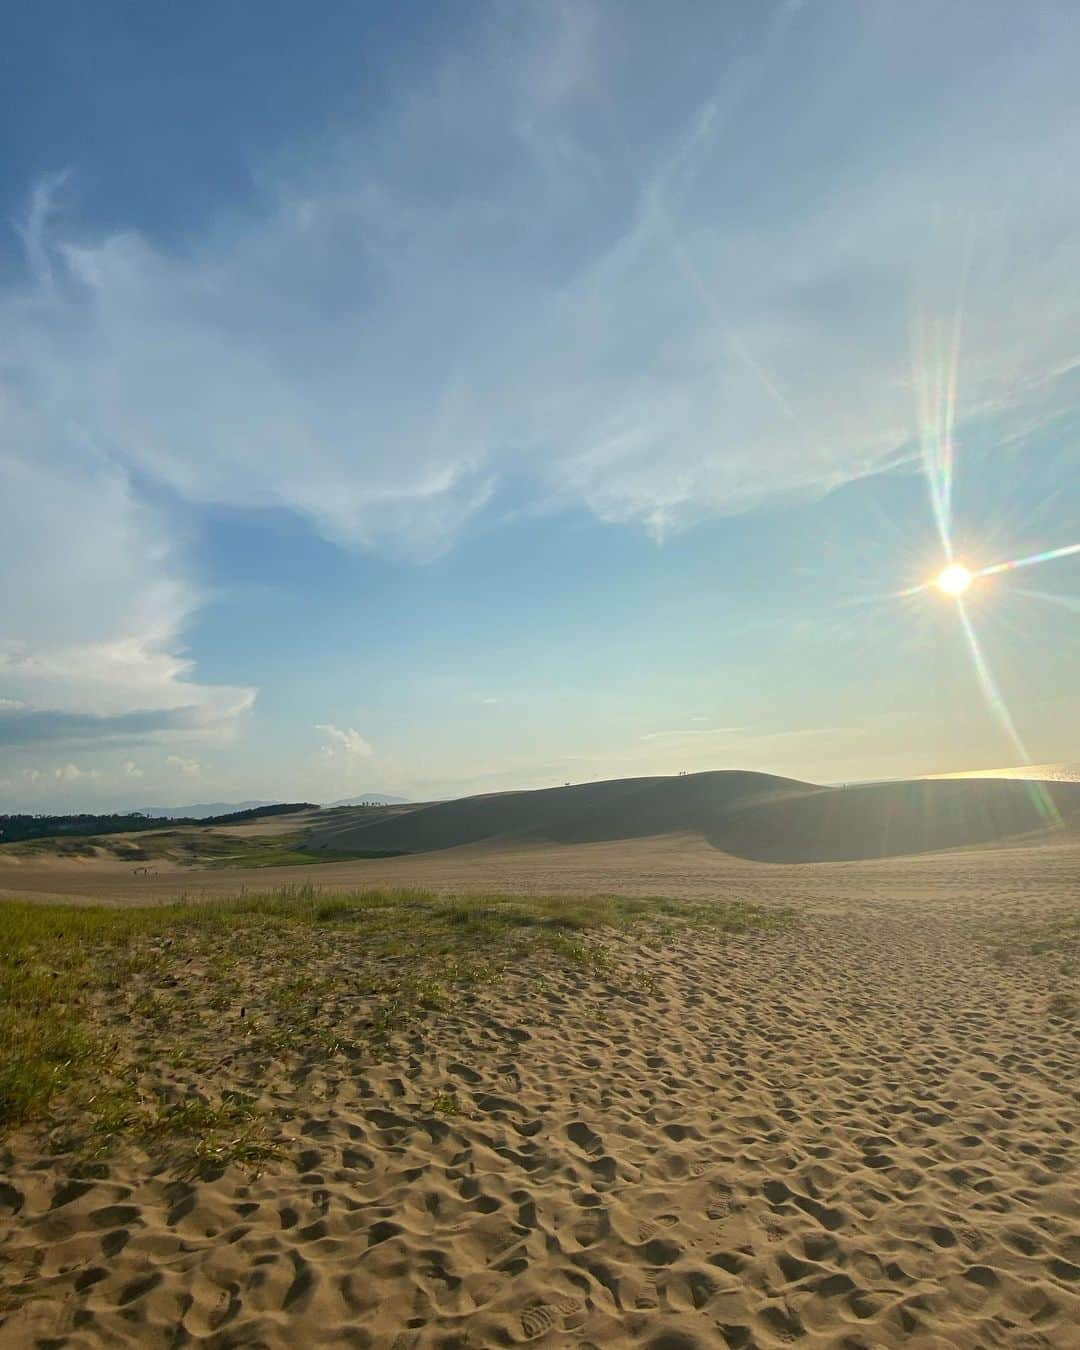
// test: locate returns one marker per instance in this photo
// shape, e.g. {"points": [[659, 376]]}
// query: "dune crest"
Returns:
{"points": [[750, 815]]}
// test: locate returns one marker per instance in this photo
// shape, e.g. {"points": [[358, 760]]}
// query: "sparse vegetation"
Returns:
{"points": [[192, 847], [1057, 940], [25, 827], [1054, 948], [140, 1023]]}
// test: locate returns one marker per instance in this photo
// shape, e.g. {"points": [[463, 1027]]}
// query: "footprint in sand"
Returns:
{"points": [[586, 1139], [539, 1318], [721, 1203], [11, 1200]]}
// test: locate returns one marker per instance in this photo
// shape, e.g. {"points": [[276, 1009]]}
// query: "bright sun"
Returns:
{"points": [[954, 580]]}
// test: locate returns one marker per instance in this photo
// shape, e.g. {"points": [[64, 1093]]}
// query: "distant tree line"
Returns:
{"points": [[18, 827]]}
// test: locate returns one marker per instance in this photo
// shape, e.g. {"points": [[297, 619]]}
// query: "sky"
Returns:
{"points": [[440, 399]]}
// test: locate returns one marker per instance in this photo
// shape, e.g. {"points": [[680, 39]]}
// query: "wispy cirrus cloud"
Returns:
{"points": [[662, 334], [758, 735], [684, 734], [660, 270]]}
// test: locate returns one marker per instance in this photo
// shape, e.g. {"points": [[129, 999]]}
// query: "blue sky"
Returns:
{"points": [[434, 399]]}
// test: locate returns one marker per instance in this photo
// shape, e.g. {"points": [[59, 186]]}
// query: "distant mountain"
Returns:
{"points": [[200, 809], [371, 799]]}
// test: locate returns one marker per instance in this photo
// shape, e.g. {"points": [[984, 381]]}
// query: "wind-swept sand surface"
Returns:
{"points": [[855, 1131]]}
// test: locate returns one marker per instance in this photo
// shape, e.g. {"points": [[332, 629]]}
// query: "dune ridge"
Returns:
{"points": [[750, 815]]}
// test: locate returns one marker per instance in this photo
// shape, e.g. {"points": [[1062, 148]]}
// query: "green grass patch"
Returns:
{"points": [[151, 1024], [194, 847]]}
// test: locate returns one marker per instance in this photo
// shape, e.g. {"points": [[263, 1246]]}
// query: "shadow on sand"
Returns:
{"points": [[750, 815]]}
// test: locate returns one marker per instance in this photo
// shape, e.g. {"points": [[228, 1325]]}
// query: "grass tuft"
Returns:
{"points": [[138, 1024], [1052, 948]]}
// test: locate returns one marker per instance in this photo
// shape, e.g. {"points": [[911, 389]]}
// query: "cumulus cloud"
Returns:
{"points": [[130, 769], [70, 773], [190, 768], [94, 599], [347, 742]]}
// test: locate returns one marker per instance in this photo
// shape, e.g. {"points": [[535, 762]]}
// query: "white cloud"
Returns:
{"points": [[662, 308], [94, 601], [695, 731], [190, 768], [347, 742], [742, 742], [378, 346], [130, 769], [70, 773]]}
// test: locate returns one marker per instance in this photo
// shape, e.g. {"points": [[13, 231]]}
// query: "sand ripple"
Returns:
{"points": [[858, 1132]]}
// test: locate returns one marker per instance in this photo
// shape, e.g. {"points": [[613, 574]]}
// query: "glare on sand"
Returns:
{"points": [[955, 579]]}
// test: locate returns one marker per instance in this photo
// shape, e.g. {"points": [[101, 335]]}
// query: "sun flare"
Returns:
{"points": [[954, 580]]}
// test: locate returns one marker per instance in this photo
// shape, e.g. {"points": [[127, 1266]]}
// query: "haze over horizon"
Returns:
{"points": [[456, 402]]}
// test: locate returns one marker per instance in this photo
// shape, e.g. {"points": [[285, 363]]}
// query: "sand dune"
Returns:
{"points": [[879, 820], [620, 808], [857, 1131], [669, 836], [850, 1133], [750, 815]]}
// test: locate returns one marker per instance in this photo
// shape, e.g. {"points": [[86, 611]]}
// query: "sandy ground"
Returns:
{"points": [[856, 1132], [1019, 877]]}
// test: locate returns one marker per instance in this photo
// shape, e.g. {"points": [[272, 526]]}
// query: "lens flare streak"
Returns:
{"points": [[1048, 556], [989, 684], [1040, 796], [935, 380], [936, 348], [994, 569]]}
